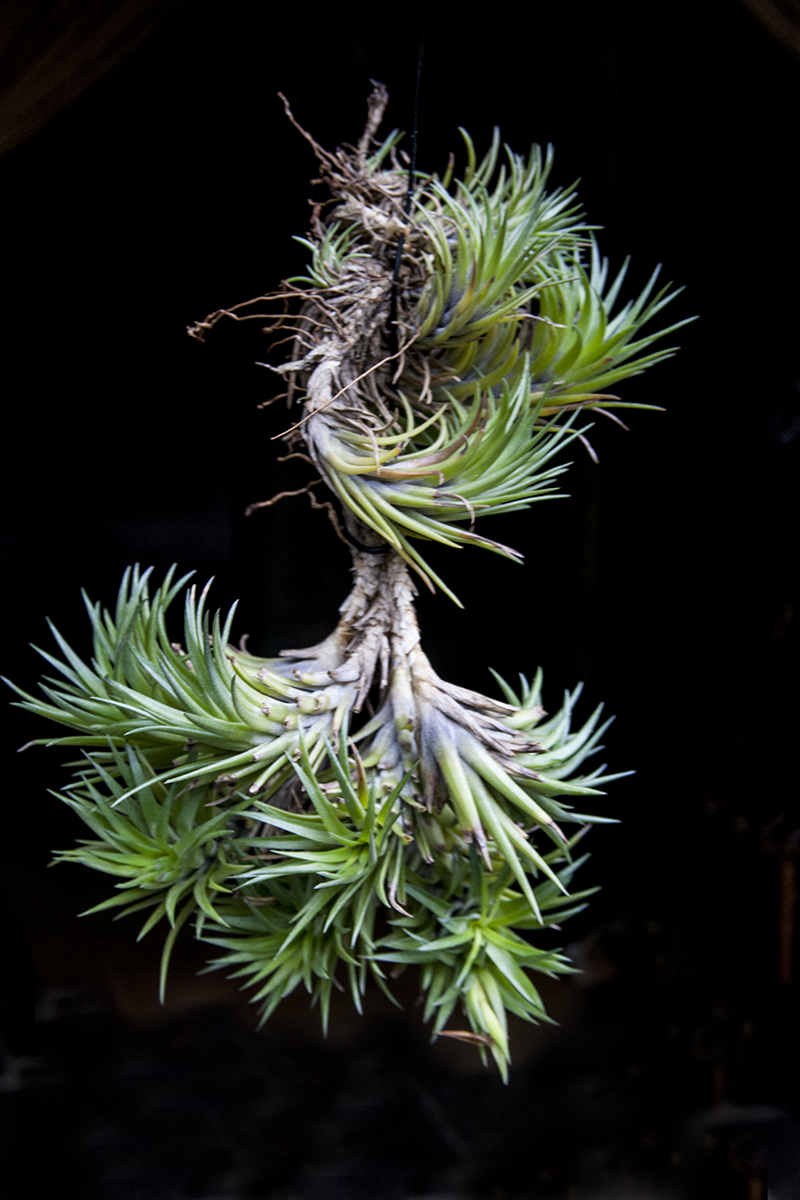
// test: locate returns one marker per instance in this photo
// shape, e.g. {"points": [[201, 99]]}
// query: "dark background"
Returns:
{"points": [[668, 583]]}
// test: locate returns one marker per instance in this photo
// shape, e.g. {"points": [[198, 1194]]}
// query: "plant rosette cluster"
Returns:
{"points": [[312, 843]]}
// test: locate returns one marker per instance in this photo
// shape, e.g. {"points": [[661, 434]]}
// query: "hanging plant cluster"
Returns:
{"points": [[447, 339]]}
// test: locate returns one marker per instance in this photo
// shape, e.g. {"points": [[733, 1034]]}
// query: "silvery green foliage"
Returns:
{"points": [[241, 794], [510, 330]]}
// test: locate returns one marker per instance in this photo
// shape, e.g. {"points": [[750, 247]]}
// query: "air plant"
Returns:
{"points": [[448, 338]]}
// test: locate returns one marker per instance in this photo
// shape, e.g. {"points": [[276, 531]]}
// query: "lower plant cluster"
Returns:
{"points": [[228, 791]]}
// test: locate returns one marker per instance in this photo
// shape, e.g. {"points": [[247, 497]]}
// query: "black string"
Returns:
{"points": [[412, 175], [362, 546]]}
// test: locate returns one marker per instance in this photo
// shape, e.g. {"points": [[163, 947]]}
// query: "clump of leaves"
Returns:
{"points": [[240, 793]]}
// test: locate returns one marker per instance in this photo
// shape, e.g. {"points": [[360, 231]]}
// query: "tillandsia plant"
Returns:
{"points": [[341, 813]]}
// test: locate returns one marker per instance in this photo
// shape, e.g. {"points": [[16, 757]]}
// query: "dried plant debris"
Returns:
{"points": [[246, 795]]}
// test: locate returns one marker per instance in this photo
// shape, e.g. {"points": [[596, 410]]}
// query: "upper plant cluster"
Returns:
{"points": [[508, 328]]}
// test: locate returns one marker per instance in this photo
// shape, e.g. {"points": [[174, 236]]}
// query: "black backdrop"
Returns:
{"points": [[668, 583]]}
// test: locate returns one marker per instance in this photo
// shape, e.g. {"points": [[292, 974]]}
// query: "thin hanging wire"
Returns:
{"points": [[412, 174]]}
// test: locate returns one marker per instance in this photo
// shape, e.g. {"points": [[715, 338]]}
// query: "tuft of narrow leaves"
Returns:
{"points": [[246, 796], [511, 330], [331, 863]]}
